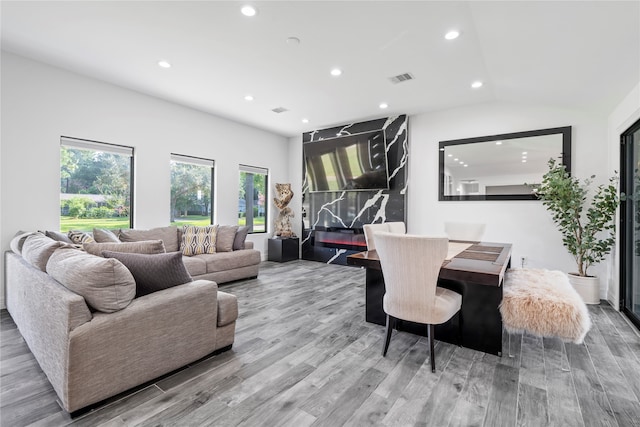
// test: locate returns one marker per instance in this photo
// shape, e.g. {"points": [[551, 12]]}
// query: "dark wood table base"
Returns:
{"points": [[481, 321]]}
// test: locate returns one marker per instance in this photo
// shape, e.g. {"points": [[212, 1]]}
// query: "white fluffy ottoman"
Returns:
{"points": [[543, 302]]}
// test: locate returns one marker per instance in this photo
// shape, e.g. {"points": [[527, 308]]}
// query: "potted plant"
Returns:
{"points": [[586, 223]]}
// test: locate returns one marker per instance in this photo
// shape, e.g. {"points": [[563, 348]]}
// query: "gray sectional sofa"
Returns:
{"points": [[93, 339]]}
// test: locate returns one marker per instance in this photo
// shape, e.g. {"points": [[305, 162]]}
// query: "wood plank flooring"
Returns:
{"points": [[304, 356]]}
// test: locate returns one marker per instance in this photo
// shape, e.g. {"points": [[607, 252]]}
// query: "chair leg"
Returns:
{"points": [[390, 320], [510, 352], [430, 332], [564, 356], [460, 328]]}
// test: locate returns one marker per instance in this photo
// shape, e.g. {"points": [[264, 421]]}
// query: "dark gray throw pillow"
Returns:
{"points": [[153, 273], [241, 236]]}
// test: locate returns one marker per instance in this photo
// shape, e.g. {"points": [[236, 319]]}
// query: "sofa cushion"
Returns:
{"points": [[169, 235], [142, 247], [37, 249], [79, 237], [18, 241], [241, 235], [229, 260], [106, 284], [153, 273], [198, 240], [225, 238], [102, 235], [195, 265], [227, 308], [60, 237]]}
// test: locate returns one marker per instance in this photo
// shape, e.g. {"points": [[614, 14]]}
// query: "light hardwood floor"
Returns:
{"points": [[304, 356]]}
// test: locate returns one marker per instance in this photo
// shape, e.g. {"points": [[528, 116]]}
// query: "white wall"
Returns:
{"points": [[624, 115], [525, 224], [40, 103]]}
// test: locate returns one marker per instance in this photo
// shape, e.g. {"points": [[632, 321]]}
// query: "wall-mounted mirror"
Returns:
{"points": [[500, 167]]}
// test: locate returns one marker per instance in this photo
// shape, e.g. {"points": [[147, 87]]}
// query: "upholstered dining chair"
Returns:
{"points": [[391, 227], [471, 231], [410, 266]]}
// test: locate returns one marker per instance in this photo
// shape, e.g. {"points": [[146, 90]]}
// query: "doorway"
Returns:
{"points": [[630, 224]]}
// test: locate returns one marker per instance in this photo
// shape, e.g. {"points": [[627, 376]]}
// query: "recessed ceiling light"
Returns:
{"points": [[336, 72], [449, 155], [498, 142], [466, 166], [524, 153], [451, 35], [476, 84], [524, 160], [383, 105], [305, 120], [455, 160], [164, 64], [248, 10], [462, 163], [248, 98]]}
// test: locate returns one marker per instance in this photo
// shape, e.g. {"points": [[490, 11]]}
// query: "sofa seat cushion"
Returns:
{"points": [[106, 284], [148, 247], [230, 260], [155, 272], [195, 265], [227, 308], [169, 235]]}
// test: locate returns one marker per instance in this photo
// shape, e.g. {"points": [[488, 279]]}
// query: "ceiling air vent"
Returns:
{"points": [[401, 78], [279, 110]]}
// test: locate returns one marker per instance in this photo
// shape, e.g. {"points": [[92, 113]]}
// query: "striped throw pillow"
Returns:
{"points": [[198, 240]]}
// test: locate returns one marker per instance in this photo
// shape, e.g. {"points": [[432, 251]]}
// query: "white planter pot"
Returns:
{"points": [[587, 287]]}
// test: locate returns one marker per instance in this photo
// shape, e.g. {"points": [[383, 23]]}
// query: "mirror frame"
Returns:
{"points": [[566, 160]]}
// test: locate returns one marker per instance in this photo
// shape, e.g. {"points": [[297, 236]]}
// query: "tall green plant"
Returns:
{"points": [[579, 221]]}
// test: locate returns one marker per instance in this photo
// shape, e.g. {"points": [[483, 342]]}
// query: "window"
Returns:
{"points": [[95, 185], [252, 207], [191, 190]]}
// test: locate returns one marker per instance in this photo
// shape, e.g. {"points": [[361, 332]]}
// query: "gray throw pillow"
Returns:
{"points": [[102, 235], [225, 238], [153, 273], [37, 249], [241, 236], [60, 237], [144, 247], [169, 235], [105, 284]]}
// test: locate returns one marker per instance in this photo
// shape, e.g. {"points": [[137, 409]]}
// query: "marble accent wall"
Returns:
{"points": [[348, 211]]}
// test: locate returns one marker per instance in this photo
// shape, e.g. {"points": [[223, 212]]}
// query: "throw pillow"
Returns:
{"points": [[241, 236], [38, 248], [144, 247], [225, 237], [80, 237], [198, 240], [169, 235], [60, 237], [18, 241], [105, 284], [153, 273], [102, 235]]}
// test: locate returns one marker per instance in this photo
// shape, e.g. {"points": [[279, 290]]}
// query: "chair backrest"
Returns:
{"points": [[392, 227], [410, 266], [471, 231]]}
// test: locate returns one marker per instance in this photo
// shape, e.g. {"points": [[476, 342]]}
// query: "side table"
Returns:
{"points": [[283, 250]]}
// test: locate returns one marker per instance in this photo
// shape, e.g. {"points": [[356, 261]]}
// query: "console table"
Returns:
{"points": [[477, 273]]}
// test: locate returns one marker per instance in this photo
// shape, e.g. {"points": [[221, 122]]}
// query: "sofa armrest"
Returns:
{"points": [[155, 334]]}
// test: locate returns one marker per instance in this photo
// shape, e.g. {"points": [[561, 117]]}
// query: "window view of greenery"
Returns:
{"points": [[252, 201], [191, 194], [95, 189]]}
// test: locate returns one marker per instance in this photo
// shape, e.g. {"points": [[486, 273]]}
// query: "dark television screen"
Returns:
{"points": [[352, 162]]}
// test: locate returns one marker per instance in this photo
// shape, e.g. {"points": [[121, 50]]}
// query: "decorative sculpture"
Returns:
{"points": [[283, 221]]}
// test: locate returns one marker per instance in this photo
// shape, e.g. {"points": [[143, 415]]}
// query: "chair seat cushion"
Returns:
{"points": [[448, 303]]}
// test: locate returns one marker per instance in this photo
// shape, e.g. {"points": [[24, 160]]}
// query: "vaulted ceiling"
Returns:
{"points": [[573, 54]]}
